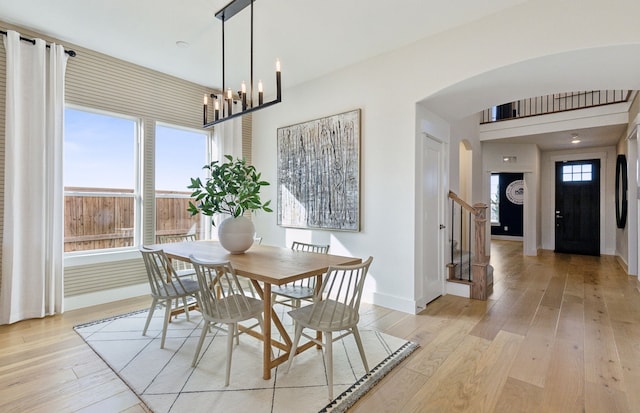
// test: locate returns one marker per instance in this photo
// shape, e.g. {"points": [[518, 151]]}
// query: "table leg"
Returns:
{"points": [[266, 356]]}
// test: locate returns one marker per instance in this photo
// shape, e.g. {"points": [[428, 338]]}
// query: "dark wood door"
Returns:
{"points": [[577, 212]]}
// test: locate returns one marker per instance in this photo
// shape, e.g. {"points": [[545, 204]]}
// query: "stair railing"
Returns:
{"points": [[477, 270]]}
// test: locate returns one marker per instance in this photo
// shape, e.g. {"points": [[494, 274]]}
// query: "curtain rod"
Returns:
{"points": [[71, 53]]}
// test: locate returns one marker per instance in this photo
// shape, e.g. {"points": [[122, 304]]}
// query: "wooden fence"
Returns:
{"points": [[99, 220]]}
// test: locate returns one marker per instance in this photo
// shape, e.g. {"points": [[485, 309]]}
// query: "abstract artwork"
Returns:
{"points": [[319, 173]]}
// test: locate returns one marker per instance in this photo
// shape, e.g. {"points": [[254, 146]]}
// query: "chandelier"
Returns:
{"points": [[223, 103]]}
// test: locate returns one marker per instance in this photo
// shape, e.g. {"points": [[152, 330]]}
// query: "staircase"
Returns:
{"points": [[469, 272], [460, 269]]}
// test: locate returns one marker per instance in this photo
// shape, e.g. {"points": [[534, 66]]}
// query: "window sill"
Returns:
{"points": [[79, 258]]}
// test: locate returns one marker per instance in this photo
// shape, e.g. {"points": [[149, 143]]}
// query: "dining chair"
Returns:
{"points": [[166, 287], [334, 309], [222, 300], [183, 268], [292, 293]]}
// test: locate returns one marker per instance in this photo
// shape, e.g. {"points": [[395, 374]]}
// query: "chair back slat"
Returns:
{"points": [[306, 247], [165, 239], [181, 267], [222, 296], [303, 246], [338, 300], [163, 279]]}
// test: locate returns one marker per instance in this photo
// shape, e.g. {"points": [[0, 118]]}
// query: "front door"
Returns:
{"points": [[578, 207]]}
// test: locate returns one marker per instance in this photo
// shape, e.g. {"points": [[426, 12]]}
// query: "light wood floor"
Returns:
{"points": [[560, 333]]}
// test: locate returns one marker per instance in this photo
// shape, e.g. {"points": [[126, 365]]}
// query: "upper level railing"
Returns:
{"points": [[558, 102]]}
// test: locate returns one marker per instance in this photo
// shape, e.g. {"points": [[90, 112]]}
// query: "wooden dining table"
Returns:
{"points": [[265, 266]]}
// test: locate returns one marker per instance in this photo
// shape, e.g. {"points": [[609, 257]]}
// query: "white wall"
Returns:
{"points": [[627, 246], [456, 75], [622, 235], [387, 178]]}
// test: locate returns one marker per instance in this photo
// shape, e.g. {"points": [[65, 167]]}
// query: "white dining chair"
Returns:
{"points": [[166, 287], [292, 293], [222, 300], [183, 268], [334, 309]]}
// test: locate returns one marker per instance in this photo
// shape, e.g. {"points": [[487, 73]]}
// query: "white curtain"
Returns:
{"points": [[32, 244], [229, 137]]}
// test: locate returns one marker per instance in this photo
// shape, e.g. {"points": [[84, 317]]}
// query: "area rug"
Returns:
{"points": [[165, 381]]}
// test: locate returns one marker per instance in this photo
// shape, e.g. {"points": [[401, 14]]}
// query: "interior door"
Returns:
{"points": [[578, 207], [430, 286]]}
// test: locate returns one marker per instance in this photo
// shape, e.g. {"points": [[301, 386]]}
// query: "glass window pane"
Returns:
{"points": [[576, 169], [587, 168], [99, 181], [495, 198], [180, 156], [567, 177], [98, 151], [586, 176], [566, 169]]}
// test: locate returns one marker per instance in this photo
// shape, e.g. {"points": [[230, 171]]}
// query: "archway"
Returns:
{"points": [[569, 71]]}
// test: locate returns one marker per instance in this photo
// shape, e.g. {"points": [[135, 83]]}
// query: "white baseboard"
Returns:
{"points": [[507, 237], [394, 303], [107, 296], [458, 289]]}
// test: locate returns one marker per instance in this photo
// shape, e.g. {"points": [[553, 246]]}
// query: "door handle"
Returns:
{"points": [[442, 226]]}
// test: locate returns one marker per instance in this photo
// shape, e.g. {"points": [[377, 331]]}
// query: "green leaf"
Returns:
{"points": [[232, 187]]}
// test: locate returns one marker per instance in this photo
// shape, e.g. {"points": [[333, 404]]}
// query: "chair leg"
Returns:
{"points": [[167, 316], [356, 335], [150, 316], [186, 307], [205, 330], [328, 350], [294, 346], [230, 328], [236, 333]]}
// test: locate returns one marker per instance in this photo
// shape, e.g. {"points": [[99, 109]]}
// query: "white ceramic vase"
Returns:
{"points": [[236, 234]]}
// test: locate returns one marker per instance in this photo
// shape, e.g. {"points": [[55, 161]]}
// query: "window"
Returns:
{"points": [[577, 173], [101, 185], [180, 155], [495, 199]]}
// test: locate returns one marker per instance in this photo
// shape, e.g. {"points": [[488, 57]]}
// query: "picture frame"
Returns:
{"points": [[319, 173]]}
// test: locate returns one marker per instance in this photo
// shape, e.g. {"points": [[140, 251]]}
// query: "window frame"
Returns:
{"points": [[211, 145], [93, 256], [576, 170]]}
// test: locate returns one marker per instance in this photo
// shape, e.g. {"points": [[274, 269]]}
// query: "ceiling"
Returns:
{"points": [[311, 39], [591, 137]]}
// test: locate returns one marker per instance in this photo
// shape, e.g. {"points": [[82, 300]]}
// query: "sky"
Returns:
{"points": [[99, 152]]}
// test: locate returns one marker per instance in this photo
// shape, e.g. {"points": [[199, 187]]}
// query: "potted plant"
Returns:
{"points": [[232, 188]]}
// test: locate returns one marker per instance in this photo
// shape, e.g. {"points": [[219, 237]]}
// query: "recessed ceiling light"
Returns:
{"points": [[182, 44], [575, 139]]}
